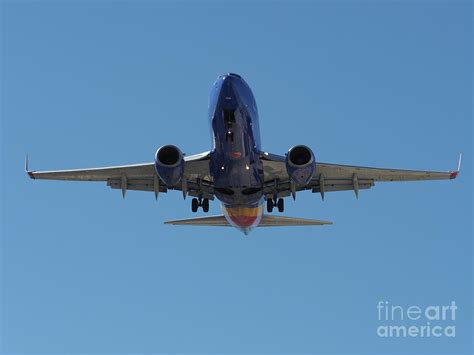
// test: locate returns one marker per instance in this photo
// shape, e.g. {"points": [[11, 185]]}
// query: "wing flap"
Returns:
{"points": [[137, 185], [282, 188], [193, 188]]}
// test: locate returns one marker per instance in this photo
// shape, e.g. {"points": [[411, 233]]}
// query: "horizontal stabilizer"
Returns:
{"points": [[267, 221], [282, 221]]}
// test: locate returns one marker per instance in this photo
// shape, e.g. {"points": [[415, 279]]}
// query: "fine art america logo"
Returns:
{"points": [[416, 321]]}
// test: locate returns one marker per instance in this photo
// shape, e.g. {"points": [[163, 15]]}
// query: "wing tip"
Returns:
{"points": [[454, 174], [27, 170]]}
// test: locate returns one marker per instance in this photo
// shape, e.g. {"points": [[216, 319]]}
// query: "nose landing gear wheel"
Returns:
{"points": [[194, 205], [280, 205], [269, 205]]}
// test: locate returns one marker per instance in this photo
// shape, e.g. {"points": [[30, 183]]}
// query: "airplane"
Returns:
{"points": [[237, 171]]}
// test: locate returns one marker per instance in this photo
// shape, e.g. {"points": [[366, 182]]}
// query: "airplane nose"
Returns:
{"points": [[231, 77], [232, 84], [234, 75], [228, 87]]}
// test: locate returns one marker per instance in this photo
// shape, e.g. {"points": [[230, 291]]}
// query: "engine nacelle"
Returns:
{"points": [[300, 164], [169, 164]]}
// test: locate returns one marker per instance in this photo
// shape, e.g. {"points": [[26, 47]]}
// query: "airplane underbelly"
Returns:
{"points": [[239, 183]]}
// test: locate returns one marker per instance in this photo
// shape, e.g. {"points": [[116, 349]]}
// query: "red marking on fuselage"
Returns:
{"points": [[243, 221], [235, 154]]}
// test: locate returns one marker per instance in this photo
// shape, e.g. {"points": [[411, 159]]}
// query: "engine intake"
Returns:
{"points": [[169, 164], [300, 164]]}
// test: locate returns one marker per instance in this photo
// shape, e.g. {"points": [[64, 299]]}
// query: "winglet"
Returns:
{"points": [[30, 173], [459, 162], [454, 174]]}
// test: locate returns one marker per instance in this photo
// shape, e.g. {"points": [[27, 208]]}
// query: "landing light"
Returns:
{"points": [[247, 167]]}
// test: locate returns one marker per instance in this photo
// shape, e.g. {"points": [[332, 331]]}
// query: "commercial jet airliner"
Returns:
{"points": [[236, 171]]}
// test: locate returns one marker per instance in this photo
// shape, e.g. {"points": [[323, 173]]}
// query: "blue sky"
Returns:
{"points": [[91, 84]]}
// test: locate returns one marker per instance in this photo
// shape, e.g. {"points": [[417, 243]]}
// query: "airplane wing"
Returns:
{"points": [[141, 177], [335, 177]]}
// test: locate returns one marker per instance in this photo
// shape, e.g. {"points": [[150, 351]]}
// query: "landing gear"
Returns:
{"points": [[205, 205], [194, 204], [269, 205], [279, 203], [200, 202]]}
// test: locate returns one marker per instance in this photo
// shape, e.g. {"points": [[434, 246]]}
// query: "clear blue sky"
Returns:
{"points": [[101, 83]]}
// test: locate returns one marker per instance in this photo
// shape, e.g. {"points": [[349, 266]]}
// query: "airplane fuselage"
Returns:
{"points": [[235, 158]]}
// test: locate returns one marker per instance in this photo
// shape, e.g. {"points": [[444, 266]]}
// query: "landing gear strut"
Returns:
{"points": [[279, 203], [200, 202]]}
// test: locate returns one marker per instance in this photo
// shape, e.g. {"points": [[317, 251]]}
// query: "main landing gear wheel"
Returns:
{"points": [[280, 205], [196, 203], [205, 205], [269, 205]]}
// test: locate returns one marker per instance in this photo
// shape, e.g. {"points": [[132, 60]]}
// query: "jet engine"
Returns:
{"points": [[169, 164], [300, 164]]}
